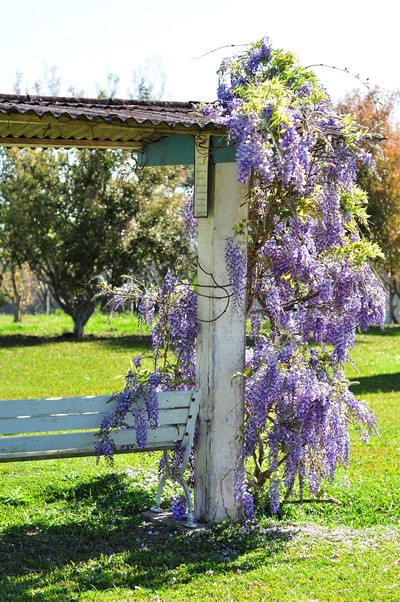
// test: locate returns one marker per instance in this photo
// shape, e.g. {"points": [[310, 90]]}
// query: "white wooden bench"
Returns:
{"points": [[67, 427]]}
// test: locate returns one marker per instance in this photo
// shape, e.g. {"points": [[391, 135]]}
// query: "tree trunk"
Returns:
{"points": [[16, 296], [47, 302], [80, 316], [394, 304]]}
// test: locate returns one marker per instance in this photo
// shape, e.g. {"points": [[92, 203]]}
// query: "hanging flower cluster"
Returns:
{"points": [[309, 282], [173, 357]]}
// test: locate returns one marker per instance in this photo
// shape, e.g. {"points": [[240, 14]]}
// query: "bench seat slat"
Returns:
{"points": [[77, 405], [67, 422], [82, 443]]}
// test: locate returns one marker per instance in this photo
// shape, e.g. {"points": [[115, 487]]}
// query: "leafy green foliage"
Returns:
{"points": [[73, 216]]}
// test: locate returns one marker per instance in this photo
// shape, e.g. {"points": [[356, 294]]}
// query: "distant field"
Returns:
{"points": [[40, 359], [73, 530]]}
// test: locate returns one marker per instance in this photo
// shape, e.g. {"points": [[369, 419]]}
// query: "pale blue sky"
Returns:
{"points": [[85, 39]]}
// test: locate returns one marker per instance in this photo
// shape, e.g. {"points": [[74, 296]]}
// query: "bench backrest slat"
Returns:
{"points": [[75, 422], [12, 408], [82, 444], [57, 405]]}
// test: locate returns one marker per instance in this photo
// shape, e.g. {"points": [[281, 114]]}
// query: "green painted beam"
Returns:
{"points": [[179, 150], [171, 150], [221, 153]]}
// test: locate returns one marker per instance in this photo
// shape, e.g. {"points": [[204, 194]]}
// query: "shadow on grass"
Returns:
{"points": [[108, 493], [122, 342], [379, 383], [114, 546], [392, 330]]}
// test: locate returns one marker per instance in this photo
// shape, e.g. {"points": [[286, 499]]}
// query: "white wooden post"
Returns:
{"points": [[220, 353]]}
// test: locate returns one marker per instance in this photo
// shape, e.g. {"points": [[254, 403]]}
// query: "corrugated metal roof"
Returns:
{"points": [[118, 110], [49, 118]]}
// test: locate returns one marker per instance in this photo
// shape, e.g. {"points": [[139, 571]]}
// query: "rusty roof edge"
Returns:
{"points": [[127, 121], [158, 121], [120, 109], [149, 119], [74, 100]]}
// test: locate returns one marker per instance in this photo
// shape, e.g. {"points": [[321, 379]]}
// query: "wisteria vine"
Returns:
{"points": [[304, 278], [309, 283]]}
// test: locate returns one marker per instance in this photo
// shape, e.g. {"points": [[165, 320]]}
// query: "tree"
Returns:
{"points": [[17, 283], [76, 215], [376, 110], [17, 287], [72, 206]]}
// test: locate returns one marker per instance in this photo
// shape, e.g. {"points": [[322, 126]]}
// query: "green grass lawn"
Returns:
{"points": [[40, 359], [74, 530]]}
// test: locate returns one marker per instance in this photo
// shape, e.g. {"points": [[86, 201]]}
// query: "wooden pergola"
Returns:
{"points": [[171, 133]]}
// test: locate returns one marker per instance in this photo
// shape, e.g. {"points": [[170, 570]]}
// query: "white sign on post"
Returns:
{"points": [[201, 158]]}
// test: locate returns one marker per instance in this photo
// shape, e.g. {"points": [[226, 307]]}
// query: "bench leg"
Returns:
{"points": [[176, 475], [161, 483]]}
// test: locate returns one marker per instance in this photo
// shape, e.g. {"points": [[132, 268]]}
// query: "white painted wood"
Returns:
{"points": [[175, 399], [201, 160], [190, 421], [74, 422], [220, 354], [91, 403], [57, 405], [83, 443], [15, 426]]}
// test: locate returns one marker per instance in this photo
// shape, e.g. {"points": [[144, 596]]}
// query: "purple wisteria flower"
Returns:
{"points": [[236, 265], [175, 332], [179, 507], [190, 220], [248, 505]]}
